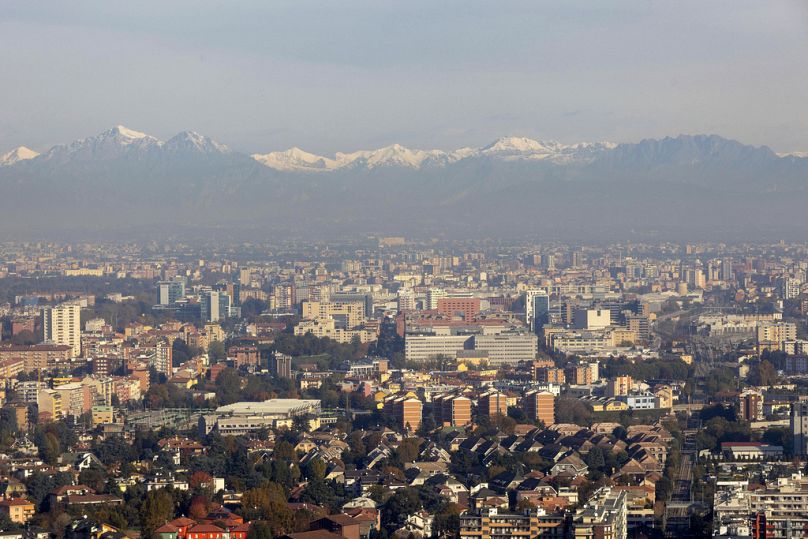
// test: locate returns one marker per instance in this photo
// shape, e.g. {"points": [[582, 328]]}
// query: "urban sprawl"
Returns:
{"points": [[392, 387]]}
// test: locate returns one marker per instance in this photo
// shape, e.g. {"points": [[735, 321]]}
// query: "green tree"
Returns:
{"points": [[216, 351], [157, 509]]}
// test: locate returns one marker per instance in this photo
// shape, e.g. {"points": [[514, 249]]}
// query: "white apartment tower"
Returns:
{"points": [[61, 324]]}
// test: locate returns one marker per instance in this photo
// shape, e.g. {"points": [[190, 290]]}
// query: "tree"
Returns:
{"points": [[216, 351], [259, 530], [395, 510], [157, 509], [314, 469], [94, 477]]}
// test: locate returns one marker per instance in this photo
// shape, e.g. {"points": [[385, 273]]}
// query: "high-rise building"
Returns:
{"points": [[726, 270], [170, 292], [245, 276], [281, 365], [751, 402], [549, 375], [799, 427], [408, 412], [492, 403], [452, 410], [406, 300], [162, 361], [433, 295], [537, 304], [540, 406], [61, 324], [215, 306]]}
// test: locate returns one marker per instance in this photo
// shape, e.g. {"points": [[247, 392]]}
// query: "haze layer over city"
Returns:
{"points": [[386, 270]]}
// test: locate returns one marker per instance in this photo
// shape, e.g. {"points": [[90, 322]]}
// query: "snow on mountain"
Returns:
{"points": [[506, 148], [297, 160], [16, 155], [799, 155], [394, 155], [113, 143], [191, 141]]}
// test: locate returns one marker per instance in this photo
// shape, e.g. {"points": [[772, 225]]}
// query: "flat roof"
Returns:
{"points": [[267, 407]]}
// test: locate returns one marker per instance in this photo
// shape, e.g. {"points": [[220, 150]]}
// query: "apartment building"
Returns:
{"points": [[496, 523], [61, 324], [492, 403], [604, 516], [452, 410], [540, 406]]}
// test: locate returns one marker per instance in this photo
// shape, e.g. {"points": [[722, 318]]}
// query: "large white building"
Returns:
{"points": [[243, 417], [61, 324], [592, 318]]}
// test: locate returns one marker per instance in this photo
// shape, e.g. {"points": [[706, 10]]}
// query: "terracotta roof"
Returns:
{"points": [[205, 528]]}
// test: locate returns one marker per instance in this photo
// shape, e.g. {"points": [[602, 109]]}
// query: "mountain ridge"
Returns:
{"points": [[125, 178]]}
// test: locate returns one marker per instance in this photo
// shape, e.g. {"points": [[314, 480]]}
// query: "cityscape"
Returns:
{"points": [[392, 386], [467, 269]]}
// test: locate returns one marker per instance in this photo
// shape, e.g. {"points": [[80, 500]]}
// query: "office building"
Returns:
{"points": [[536, 297], [61, 324], [592, 318], [170, 292], [507, 348], [215, 306]]}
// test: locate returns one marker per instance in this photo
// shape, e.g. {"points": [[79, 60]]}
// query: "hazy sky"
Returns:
{"points": [[344, 74]]}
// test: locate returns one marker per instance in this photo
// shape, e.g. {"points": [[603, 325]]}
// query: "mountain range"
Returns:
{"points": [[680, 186]]}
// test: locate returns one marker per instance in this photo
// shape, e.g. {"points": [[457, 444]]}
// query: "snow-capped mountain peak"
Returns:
{"points": [[295, 159], [194, 142], [125, 133], [16, 155], [516, 145]]}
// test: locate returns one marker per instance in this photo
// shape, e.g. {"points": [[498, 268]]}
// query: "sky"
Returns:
{"points": [[342, 75]]}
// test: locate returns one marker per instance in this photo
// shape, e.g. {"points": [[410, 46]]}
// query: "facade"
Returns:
{"points": [[540, 406], [604, 516], [592, 318], [492, 403], [61, 324], [215, 306], [751, 402], [245, 417], [467, 308], [170, 292], [420, 348], [619, 385], [452, 410], [507, 348], [799, 427], [495, 523]]}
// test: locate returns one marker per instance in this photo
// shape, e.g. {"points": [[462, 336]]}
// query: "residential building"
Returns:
{"points": [[61, 324]]}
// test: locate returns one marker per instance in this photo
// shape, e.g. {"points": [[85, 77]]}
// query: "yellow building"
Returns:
{"points": [[103, 415]]}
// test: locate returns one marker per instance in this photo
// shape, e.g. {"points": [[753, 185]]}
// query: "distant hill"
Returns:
{"points": [[685, 186]]}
